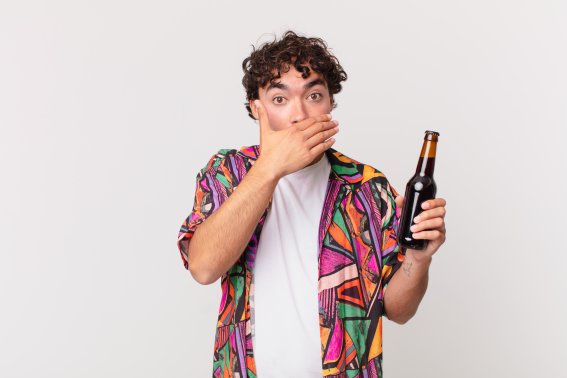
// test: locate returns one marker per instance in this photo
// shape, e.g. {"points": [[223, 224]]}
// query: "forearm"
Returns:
{"points": [[407, 287], [220, 240]]}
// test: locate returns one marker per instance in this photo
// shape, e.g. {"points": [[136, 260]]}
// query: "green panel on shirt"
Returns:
{"points": [[346, 310], [223, 179], [238, 283], [357, 330], [349, 171], [339, 221]]}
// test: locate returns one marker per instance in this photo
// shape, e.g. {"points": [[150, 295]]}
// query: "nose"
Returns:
{"points": [[298, 112]]}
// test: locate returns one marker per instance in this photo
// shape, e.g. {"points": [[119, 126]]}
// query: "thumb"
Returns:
{"points": [[262, 118], [265, 128]]}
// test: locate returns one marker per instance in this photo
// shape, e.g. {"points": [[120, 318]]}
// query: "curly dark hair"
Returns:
{"points": [[278, 56]]}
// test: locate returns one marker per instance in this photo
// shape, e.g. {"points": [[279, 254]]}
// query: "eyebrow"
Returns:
{"points": [[308, 85]]}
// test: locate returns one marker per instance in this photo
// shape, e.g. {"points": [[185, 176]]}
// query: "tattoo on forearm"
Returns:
{"points": [[407, 266]]}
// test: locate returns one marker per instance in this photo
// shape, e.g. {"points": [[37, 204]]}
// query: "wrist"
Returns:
{"points": [[266, 170], [419, 257]]}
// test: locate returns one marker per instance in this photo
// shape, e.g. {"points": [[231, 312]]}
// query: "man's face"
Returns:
{"points": [[292, 98]]}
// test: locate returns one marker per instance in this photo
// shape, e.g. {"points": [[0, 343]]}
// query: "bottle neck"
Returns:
{"points": [[426, 164]]}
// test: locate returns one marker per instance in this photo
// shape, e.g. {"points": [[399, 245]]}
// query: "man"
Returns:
{"points": [[307, 298]]}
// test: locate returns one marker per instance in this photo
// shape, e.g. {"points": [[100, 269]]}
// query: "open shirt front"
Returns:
{"points": [[358, 255]]}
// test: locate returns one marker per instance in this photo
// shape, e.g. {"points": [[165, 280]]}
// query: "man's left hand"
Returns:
{"points": [[429, 225]]}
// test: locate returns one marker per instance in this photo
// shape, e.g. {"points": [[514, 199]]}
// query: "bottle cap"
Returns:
{"points": [[431, 135]]}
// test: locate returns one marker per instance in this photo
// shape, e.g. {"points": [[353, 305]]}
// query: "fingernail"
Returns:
{"points": [[416, 219], [336, 122], [413, 228], [425, 205]]}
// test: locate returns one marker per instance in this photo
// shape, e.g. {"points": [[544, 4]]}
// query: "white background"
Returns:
{"points": [[109, 108]]}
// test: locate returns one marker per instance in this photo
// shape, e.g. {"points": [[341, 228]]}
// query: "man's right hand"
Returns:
{"points": [[291, 149]]}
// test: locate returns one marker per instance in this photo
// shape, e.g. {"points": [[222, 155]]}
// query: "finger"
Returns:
{"points": [[436, 202], [428, 214], [318, 127], [428, 235], [303, 125], [321, 137], [322, 147], [435, 223]]}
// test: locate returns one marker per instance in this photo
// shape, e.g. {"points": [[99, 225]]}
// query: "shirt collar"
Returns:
{"points": [[343, 168]]}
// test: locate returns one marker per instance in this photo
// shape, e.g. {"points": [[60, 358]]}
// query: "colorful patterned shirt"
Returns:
{"points": [[358, 255]]}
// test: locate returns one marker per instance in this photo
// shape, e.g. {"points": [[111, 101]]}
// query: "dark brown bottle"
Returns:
{"points": [[420, 188]]}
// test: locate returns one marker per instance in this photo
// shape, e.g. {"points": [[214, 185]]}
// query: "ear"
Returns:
{"points": [[253, 108]]}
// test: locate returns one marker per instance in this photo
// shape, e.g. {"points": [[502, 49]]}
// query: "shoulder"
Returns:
{"points": [[365, 179], [227, 166], [356, 172], [218, 160], [370, 185]]}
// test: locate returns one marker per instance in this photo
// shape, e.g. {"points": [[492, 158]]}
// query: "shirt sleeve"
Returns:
{"points": [[392, 253], [207, 196]]}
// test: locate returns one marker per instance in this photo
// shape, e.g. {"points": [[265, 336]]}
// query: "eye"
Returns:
{"points": [[317, 96], [277, 98]]}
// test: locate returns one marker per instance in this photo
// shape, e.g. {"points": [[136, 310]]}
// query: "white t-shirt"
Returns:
{"points": [[286, 339]]}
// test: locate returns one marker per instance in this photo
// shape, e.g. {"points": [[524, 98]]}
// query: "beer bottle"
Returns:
{"points": [[420, 188]]}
